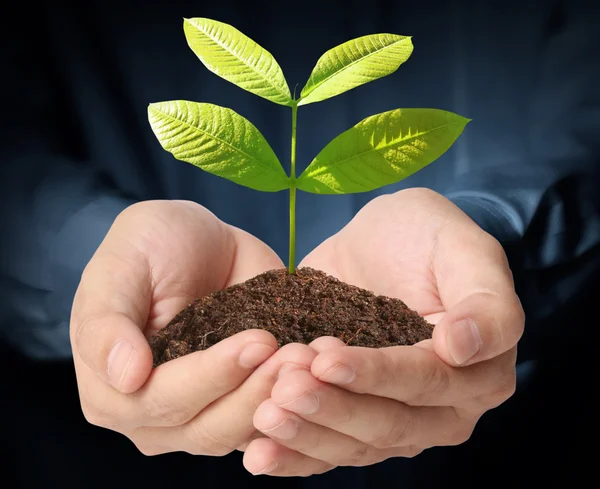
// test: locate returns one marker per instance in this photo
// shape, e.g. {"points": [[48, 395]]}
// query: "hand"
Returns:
{"points": [[359, 406], [157, 258]]}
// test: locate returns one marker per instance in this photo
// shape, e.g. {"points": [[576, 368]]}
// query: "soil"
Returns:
{"points": [[295, 308]]}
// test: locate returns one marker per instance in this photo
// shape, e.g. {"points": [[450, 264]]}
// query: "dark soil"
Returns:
{"points": [[294, 308]]}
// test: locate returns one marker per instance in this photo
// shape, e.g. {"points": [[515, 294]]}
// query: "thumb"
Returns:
{"points": [[484, 316], [109, 313], [115, 348], [483, 325]]}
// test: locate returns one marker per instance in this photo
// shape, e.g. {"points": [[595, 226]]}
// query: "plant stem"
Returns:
{"points": [[292, 259]]}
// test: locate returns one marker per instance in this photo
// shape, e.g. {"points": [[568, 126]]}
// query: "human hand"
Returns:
{"points": [[359, 406], [157, 258]]}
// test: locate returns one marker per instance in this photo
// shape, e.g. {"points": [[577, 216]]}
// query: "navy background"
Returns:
{"points": [[77, 149]]}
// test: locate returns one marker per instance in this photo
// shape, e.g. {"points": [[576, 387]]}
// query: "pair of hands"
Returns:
{"points": [[301, 409]]}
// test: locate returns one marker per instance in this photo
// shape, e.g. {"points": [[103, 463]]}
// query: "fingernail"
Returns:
{"points": [[339, 374], [118, 362], [464, 341], [288, 367], [268, 469], [254, 354], [305, 404], [285, 430]]}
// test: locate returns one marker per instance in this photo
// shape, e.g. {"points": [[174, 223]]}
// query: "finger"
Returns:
{"points": [[376, 421], [179, 389], [291, 357], [265, 456], [226, 424], [416, 376], [326, 343], [252, 257], [316, 441], [228, 421], [484, 315], [109, 309], [254, 436]]}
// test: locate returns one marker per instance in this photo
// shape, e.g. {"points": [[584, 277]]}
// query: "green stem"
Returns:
{"points": [[292, 260]]}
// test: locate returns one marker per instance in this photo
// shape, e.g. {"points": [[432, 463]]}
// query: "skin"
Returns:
{"points": [[300, 410]]}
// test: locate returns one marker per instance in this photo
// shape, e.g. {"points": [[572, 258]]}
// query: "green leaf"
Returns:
{"points": [[380, 150], [355, 63], [238, 59], [218, 140]]}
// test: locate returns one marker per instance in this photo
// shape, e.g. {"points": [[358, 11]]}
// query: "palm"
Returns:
{"points": [[190, 254], [390, 248]]}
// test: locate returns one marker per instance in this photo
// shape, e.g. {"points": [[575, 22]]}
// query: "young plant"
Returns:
{"points": [[380, 150]]}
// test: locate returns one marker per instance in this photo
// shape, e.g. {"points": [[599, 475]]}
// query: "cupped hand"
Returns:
{"points": [[157, 258], [359, 406]]}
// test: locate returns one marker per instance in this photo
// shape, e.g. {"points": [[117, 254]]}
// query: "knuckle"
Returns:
{"points": [[205, 442], [167, 414], [149, 450], [502, 390], [220, 451], [93, 415], [507, 388], [259, 336], [313, 441], [493, 247], [173, 417], [386, 372], [397, 435], [434, 381], [92, 418], [295, 352], [461, 435], [321, 470], [84, 331], [379, 383], [518, 319], [346, 414], [412, 451], [358, 457], [221, 381]]}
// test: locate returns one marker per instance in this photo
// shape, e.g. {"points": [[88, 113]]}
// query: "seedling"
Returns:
{"points": [[380, 150]]}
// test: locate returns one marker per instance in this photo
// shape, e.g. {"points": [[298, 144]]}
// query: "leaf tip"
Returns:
{"points": [[191, 22]]}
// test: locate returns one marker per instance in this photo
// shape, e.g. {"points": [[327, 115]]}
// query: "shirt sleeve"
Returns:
{"points": [[545, 207]]}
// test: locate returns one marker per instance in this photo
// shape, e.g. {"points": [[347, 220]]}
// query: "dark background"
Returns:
{"points": [[545, 436]]}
